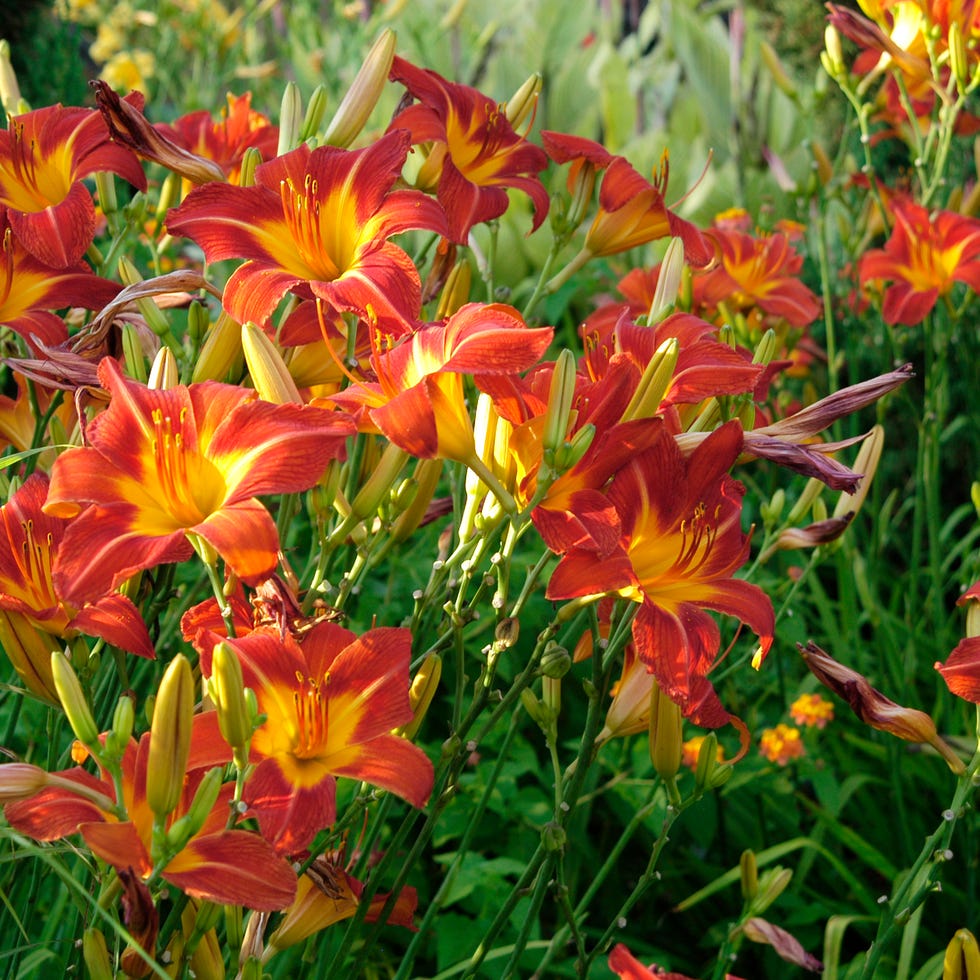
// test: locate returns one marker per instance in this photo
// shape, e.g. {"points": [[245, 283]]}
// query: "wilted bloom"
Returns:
{"points": [[811, 711], [787, 946], [44, 155], [473, 154], [330, 705], [680, 543], [781, 744], [30, 289], [872, 707], [926, 254], [233, 867], [34, 610], [316, 223], [418, 401], [161, 465]]}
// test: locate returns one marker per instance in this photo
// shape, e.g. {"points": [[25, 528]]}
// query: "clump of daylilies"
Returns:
{"points": [[237, 398]]}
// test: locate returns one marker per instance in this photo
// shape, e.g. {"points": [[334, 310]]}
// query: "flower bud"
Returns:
{"points": [[654, 383], [221, 353], [267, 369], [123, 720], [10, 97], [164, 373], [315, 109], [29, 650], [424, 686], [227, 689], [561, 397], [665, 734], [170, 737], [962, 959], [357, 105], [572, 451], [73, 700], [425, 479], [749, 875], [379, 483], [783, 82], [456, 291], [205, 797], [959, 66], [865, 465], [251, 159], [20, 781], [95, 954], [524, 101], [772, 883], [833, 63], [668, 282], [290, 119], [707, 762], [149, 310]]}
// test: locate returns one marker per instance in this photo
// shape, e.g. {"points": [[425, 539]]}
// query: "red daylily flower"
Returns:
{"points": [[473, 153], [418, 400], [680, 544], [316, 223], [961, 672], [44, 155], [30, 289], [162, 464], [330, 705], [625, 965], [926, 253], [30, 541], [757, 272], [225, 140], [230, 867], [632, 210]]}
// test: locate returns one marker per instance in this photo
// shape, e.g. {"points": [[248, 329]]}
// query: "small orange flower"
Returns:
{"points": [[811, 711], [781, 744]]}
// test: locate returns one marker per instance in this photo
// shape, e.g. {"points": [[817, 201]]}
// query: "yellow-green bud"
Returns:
{"points": [[424, 686], [164, 373], [668, 282], [290, 119], [251, 159], [866, 464], [666, 745], [379, 483], [656, 379], [958, 64], [205, 797], [95, 953], [832, 57], [122, 726], [170, 737], [426, 480], [522, 103], [222, 350], [561, 397], [227, 689], [772, 884], [10, 97], [456, 291], [707, 762], [266, 367], [315, 109], [573, 450], [357, 105], [73, 700], [749, 875], [555, 661], [783, 82]]}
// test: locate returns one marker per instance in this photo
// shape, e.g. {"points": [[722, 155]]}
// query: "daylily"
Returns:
{"points": [[34, 612], [625, 965], [631, 209], [418, 401], [30, 289], [317, 223], [163, 465], [230, 867], [679, 546], [330, 705], [961, 672], [472, 152], [225, 140], [44, 155], [925, 255]]}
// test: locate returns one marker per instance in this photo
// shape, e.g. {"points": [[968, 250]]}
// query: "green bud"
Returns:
{"points": [[95, 953], [290, 119], [170, 737], [73, 700], [749, 873], [553, 836], [772, 884], [555, 661], [315, 110], [183, 829], [707, 762]]}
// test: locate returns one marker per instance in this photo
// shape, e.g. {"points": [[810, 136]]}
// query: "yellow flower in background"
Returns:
{"points": [[811, 711], [129, 70], [691, 749], [781, 744]]}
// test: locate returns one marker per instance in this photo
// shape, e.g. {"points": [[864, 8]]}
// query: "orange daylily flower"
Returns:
{"points": [[473, 153], [317, 223], [961, 672], [626, 966], [225, 140], [30, 289], [418, 401], [330, 705], [35, 613], [230, 867], [44, 155], [164, 464], [925, 255], [680, 543], [631, 210]]}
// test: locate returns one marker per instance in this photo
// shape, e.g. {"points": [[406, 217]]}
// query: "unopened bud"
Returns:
{"points": [[958, 64], [668, 282], [222, 351], [666, 744], [149, 310], [95, 953], [424, 686], [227, 689], [654, 383], [170, 737], [866, 464], [962, 959], [425, 480], [251, 159], [123, 720], [707, 762], [290, 119], [357, 105], [10, 97], [456, 291], [164, 373], [573, 450], [767, 348], [266, 367], [832, 57], [749, 875], [582, 191], [555, 661], [378, 485], [73, 700], [772, 884], [205, 797], [524, 101], [315, 110], [783, 82], [561, 397]]}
